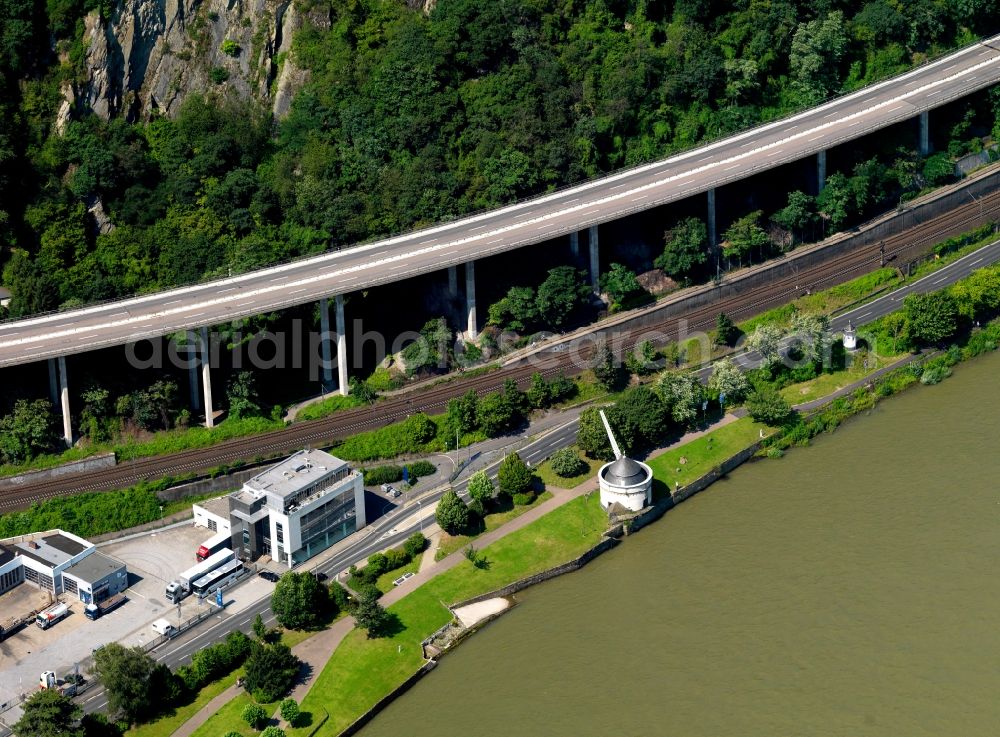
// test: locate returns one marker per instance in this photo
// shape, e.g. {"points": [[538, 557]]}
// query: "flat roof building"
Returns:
{"points": [[59, 561], [296, 508]]}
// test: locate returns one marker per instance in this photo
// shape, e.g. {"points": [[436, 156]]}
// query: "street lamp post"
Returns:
{"points": [[420, 514]]}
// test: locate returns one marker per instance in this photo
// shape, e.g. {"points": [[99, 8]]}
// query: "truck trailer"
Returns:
{"points": [[181, 586], [213, 545], [51, 615], [100, 608]]}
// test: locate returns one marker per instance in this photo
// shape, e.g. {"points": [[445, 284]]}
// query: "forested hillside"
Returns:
{"points": [[408, 118]]}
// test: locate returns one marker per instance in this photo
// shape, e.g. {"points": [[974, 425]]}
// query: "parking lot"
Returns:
{"points": [[153, 560]]}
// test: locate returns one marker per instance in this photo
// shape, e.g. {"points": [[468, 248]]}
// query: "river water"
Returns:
{"points": [[850, 588]]}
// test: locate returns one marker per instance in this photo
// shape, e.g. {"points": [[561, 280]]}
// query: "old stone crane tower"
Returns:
{"points": [[624, 482]]}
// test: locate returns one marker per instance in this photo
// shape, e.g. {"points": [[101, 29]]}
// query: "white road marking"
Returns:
{"points": [[643, 197], [976, 261], [774, 153], [298, 291], [734, 166], [935, 92], [816, 138], [943, 278]]}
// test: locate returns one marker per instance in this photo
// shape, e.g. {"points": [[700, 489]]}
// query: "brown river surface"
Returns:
{"points": [[851, 588]]}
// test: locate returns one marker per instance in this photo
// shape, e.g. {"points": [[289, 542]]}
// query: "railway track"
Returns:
{"points": [[899, 249]]}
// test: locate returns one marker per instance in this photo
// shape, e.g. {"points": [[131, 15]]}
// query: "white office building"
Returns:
{"points": [[297, 508]]}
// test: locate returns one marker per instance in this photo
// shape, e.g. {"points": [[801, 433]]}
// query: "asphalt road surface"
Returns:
{"points": [[532, 221]]}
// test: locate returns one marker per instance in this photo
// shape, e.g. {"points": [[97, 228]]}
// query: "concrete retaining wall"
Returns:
{"points": [[226, 482], [93, 463]]}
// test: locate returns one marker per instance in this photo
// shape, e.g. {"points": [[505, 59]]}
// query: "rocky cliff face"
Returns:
{"points": [[150, 54]]}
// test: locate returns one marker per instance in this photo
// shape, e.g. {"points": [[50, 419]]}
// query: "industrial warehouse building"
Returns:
{"points": [[292, 511], [60, 562]]}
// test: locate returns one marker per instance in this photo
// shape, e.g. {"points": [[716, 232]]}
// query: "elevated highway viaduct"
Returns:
{"points": [[573, 211]]}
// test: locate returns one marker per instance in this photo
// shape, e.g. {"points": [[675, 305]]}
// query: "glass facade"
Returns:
{"points": [[326, 525]]}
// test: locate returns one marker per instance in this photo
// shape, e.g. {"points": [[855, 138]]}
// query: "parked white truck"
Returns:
{"points": [[181, 586], [51, 615]]}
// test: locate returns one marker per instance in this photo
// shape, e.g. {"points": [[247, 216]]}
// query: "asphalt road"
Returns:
{"points": [[386, 531], [532, 221]]}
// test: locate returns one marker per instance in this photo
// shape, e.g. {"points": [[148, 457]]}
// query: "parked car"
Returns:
{"points": [[269, 576], [394, 493]]}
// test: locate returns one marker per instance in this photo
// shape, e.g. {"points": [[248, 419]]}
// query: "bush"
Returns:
{"points": [[935, 374], [420, 468], [339, 598], [382, 475], [566, 463], [289, 711], [253, 714], [766, 405], [415, 544], [524, 499], [272, 731], [514, 476], [230, 47], [219, 75], [214, 661]]}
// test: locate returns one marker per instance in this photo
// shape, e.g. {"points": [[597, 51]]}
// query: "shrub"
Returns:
{"points": [[420, 468], [567, 463], [768, 406], [524, 499], [415, 544], [272, 731], [514, 475], [382, 475], [935, 374], [289, 711], [230, 47], [254, 714], [339, 598], [219, 75]]}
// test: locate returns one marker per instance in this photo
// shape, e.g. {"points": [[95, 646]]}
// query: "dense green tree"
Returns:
{"points": [[931, 318], [766, 405], [798, 216], [619, 282], [817, 48], [125, 674], [481, 487], [516, 311], [452, 514], [813, 333], [539, 392], [685, 248], [743, 237], [298, 601], [47, 713], [242, 396], [289, 710], [259, 628], [639, 418], [591, 436], [28, 430], [726, 332], [270, 671], [496, 414], [605, 366], [563, 291], [370, 616], [514, 476]]}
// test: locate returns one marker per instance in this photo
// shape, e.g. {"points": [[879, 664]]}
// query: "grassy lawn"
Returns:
{"points": [[702, 454], [551, 478], [361, 671], [826, 384], [450, 543], [229, 719], [384, 582], [326, 407]]}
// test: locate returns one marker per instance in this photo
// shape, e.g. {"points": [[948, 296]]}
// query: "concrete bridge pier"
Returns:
{"points": [[925, 133], [820, 171], [53, 383], [324, 342], [343, 386], [192, 359], [574, 245], [595, 259], [470, 300], [64, 401], [452, 281], [713, 236], [206, 377]]}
